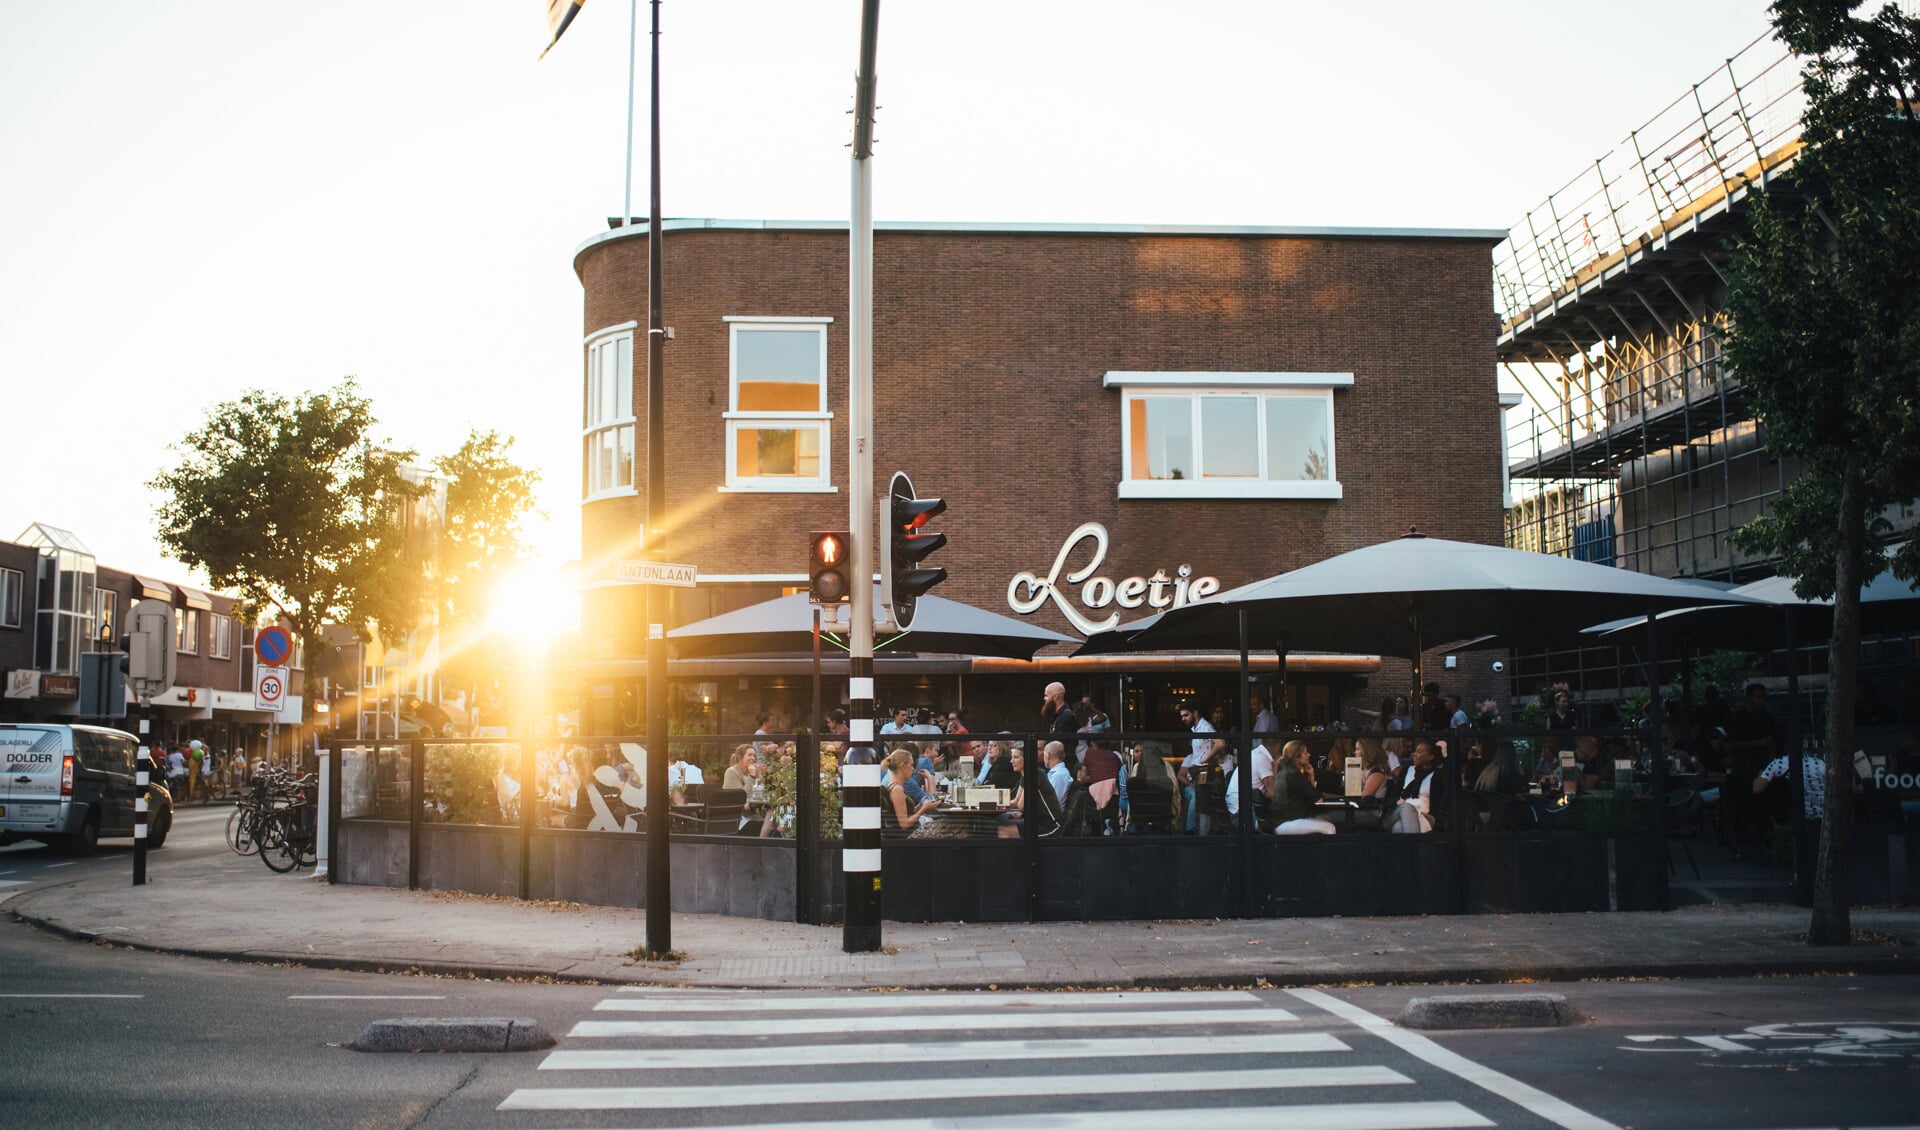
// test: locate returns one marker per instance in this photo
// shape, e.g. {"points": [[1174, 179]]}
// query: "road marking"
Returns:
{"points": [[360, 997], [869, 1001], [1557, 1111], [14, 882], [926, 1090], [68, 863], [826, 1055], [1355, 1116], [789, 1026], [75, 996]]}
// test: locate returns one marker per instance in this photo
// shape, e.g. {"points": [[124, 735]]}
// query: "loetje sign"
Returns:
{"points": [[1028, 592], [657, 573]]}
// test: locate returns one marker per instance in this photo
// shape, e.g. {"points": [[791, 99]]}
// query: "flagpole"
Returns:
{"points": [[633, 33]]}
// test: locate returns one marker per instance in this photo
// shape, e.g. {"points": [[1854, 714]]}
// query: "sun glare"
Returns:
{"points": [[534, 604]]}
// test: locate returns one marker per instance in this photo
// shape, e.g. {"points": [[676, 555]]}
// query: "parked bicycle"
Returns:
{"points": [[287, 833], [272, 790]]}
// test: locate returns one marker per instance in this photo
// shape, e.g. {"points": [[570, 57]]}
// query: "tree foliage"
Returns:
{"points": [[1825, 295], [1825, 333], [292, 504], [488, 498]]}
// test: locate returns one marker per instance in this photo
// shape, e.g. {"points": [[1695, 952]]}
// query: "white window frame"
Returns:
{"points": [[220, 646], [13, 598], [186, 631], [1191, 387], [591, 429], [820, 420]]}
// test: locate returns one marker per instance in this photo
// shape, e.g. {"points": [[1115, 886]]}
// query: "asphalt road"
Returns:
{"points": [[96, 1036]]}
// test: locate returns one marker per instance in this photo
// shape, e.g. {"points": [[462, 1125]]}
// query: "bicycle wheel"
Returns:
{"points": [[277, 848], [241, 828]]}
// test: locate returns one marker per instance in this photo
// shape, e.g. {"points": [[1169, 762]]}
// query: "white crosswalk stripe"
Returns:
{"points": [[1225, 1060]]}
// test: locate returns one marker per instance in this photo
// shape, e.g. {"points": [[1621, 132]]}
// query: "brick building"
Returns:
{"points": [[1234, 402], [58, 604]]}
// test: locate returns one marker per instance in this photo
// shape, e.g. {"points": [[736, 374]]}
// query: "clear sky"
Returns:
{"points": [[200, 198]]}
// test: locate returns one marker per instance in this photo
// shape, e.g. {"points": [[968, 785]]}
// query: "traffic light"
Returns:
{"points": [[103, 685], [828, 581], [907, 544]]}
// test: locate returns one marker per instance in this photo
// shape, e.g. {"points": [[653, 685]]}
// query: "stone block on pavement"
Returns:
{"points": [[1489, 1010], [454, 1034]]}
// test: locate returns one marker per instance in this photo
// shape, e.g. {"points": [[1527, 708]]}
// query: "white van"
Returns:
{"points": [[70, 785]]}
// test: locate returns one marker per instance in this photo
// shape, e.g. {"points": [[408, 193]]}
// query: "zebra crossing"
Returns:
{"points": [[1225, 1059]]}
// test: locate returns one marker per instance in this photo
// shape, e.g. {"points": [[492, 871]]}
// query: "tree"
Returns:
{"points": [[488, 497], [292, 504], [1825, 334]]}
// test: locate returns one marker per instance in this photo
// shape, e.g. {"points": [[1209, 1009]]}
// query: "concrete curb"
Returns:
{"points": [[1489, 1010], [1853, 961], [454, 1034]]}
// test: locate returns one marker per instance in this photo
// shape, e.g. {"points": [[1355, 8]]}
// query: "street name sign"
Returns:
{"points": [[657, 573]]}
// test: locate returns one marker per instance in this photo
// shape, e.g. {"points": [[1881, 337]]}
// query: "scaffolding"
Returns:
{"points": [[1636, 446]]}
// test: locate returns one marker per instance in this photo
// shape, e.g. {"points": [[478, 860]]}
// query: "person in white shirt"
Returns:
{"points": [[901, 723], [1057, 774], [1262, 773], [1206, 750], [1457, 718], [1264, 722], [1415, 812]]}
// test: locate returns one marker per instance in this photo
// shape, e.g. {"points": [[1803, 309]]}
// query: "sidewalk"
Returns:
{"points": [[233, 908]]}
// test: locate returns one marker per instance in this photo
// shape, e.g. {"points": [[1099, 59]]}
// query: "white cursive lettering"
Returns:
{"points": [[1028, 592]]}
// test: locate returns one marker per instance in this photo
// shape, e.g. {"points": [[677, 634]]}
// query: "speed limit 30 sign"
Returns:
{"points": [[269, 689]]}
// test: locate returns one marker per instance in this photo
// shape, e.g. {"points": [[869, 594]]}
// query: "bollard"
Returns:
{"points": [[142, 781], [323, 756]]}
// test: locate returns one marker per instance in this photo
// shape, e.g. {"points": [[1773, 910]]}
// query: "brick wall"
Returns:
{"points": [[989, 352]]}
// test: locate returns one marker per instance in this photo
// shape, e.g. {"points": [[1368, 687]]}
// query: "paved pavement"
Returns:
{"points": [[207, 902]]}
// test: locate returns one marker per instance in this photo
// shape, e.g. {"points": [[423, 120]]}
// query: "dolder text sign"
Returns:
{"points": [[657, 573], [269, 689]]}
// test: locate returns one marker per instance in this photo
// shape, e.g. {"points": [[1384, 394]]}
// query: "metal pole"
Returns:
{"points": [[806, 800], [143, 779], [860, 769], [633, 34], [1243, 771], [1655, 722], [659, 871]]}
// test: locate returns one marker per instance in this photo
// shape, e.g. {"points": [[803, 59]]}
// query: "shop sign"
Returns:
{"points": [[59, 686], [1027, 593], [23, 684]]}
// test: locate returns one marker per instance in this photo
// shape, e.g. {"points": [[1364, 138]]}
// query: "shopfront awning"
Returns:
{"points": [[146, 588]]}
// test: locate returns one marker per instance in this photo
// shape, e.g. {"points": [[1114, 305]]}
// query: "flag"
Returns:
{"points": [[560, 13]]}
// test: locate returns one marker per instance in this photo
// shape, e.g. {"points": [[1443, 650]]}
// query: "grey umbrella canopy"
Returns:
{"points": [[1399, 597], [1886, 603], [785, 626]]}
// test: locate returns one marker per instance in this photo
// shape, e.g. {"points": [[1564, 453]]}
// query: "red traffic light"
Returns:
{"points": [[827, 579]]}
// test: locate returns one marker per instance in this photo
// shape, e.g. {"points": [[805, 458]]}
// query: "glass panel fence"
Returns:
{"points": [[473, 782], [375, 781]]}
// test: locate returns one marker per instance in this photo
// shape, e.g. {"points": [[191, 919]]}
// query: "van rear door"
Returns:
{"points": [[31, 758]]}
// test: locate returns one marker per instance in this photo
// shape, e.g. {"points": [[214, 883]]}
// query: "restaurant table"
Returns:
{"points": [[982, 821], [1349, 809]]}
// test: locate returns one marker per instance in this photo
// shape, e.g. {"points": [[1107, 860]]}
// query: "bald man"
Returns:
{"points": [[1058, 719]]}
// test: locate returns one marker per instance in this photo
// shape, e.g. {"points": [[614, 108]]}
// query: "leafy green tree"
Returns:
{"points": [[291, 503], [1825, 304], [488, 499]]}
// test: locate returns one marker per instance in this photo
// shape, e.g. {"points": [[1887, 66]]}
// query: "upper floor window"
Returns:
{"points": [[608, 457], [1227, 435], [778, 426], [186, 631], [13, 587], [221, 645], [106, 617]]}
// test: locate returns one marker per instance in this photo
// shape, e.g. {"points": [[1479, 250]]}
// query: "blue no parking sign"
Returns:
{"points": [[271, 646]]}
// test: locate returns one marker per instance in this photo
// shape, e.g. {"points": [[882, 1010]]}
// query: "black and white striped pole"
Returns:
{"points": [[860, 768], [143, 781]]}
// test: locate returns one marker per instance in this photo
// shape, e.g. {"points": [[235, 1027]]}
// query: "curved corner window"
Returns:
{"points": [[778, 426], [608, 455], [1237, 441]]}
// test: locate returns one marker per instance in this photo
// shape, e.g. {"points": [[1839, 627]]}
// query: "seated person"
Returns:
{"points": [[899, 816], [1374, 775], [1501, 772], [1414, 813], [1015, 761], [1262, 782], [1294, 795], [1058, 776], [1007, 770], [1100, 768], [743, 768]]}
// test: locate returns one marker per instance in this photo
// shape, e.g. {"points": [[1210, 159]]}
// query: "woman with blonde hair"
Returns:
{"points": [[1294, 796], [900, 817]]}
